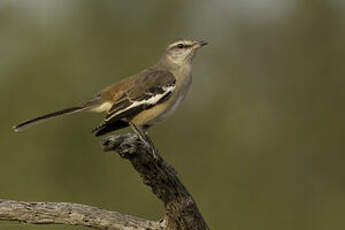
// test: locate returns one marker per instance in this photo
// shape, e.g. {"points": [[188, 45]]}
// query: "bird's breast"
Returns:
{"points": [[162, 111]]}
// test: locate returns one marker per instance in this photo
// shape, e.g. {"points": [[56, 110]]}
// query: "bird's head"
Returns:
{"points": [[182, 51]]}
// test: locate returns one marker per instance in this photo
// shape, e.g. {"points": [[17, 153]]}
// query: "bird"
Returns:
{"points": [[141, 100]]}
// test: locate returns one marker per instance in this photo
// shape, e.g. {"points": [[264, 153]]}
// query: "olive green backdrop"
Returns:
{"points": [[259, 141]]}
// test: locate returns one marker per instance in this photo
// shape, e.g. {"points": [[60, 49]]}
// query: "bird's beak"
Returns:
{"points": [[202, 43], [199, 44]]}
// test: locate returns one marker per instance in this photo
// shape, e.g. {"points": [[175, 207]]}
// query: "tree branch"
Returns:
{"points": [[181, 211], [71, 214]]}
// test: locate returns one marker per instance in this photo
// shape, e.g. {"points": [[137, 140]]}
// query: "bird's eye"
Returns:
{"points": [[180, 46]]}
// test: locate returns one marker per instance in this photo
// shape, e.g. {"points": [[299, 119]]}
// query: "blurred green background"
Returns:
{"points": [[259, 141]]}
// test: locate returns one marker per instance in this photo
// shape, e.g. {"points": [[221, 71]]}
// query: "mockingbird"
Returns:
{"points": [[143, 99]]}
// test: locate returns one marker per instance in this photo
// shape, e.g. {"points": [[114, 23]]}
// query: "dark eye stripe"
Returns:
{"points": [[182, 46]]}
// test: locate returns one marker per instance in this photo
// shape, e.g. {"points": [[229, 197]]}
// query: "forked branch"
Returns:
{"points": [[181, 211]]}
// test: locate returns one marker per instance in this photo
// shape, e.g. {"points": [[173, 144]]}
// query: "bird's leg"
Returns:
{"points": [[144, 137], [154, 150]]}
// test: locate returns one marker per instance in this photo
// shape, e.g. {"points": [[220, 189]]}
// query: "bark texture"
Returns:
{"points": [[181, 211], [72, 214]]}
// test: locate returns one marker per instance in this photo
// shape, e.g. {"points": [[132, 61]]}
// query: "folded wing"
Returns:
{"points": [[150, 88]]}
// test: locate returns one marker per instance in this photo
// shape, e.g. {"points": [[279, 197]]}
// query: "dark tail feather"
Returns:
{"points": [[47, 117]]}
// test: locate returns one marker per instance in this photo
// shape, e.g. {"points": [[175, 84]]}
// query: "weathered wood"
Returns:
{"points": [[181, 211], [72, 214]]}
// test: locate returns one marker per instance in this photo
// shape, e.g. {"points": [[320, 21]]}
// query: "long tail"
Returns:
{"points": [[46, 117]]}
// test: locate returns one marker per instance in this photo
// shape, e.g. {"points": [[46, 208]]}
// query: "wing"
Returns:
{"points": [[147, 91], [150, 88]]}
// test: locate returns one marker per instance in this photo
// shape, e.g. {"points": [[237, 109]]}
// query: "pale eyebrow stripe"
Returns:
{"points": [[176, 43], [184, 42]]}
